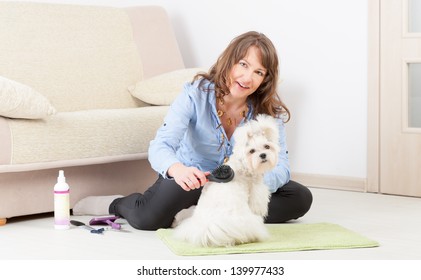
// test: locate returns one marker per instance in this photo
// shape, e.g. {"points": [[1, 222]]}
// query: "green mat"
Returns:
{"points": [[284, 238]]}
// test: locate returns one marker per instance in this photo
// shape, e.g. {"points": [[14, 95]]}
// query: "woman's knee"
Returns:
{"points": [[303, 198], [290, 202]]}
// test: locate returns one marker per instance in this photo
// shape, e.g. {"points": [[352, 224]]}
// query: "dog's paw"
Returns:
{"points": [[259, 205], [260, 209], [259, 198]]}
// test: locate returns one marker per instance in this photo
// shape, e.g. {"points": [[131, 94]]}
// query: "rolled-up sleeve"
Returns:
{"points": [[280, 175], [162, 150]]}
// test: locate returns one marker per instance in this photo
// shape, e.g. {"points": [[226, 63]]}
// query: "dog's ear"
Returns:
{"points": [[268, 126], [250, 135], [263, 125], [242, 134]]}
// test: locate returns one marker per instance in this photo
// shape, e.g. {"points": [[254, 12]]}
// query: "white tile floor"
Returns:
{"points": [[393, 221]]}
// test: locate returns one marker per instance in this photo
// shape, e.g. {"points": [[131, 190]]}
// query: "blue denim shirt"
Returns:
{"points": [[193, 135]]}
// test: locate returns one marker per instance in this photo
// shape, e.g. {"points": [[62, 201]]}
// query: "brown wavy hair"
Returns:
{"points": [[265, 100]]}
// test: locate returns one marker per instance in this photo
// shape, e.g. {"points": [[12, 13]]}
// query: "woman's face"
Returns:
{"points": [[247, 75]]}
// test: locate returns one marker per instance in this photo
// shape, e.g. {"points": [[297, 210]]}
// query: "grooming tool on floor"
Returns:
{"points": [[110, 220], [222, 174], [91, 229]]}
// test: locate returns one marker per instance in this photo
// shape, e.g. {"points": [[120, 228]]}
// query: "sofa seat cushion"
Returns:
{"points": [[83, 135]]}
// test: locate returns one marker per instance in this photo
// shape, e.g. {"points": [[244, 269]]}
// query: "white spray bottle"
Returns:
{"points": [[61, 203]]}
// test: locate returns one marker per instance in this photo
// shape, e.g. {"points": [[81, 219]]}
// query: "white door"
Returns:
{"points": [[400, 97]]}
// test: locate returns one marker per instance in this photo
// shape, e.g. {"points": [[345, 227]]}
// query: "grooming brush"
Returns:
{"points": [[222, 174], [91, 229], [106, 221]]}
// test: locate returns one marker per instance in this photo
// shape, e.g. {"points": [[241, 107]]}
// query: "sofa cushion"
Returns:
{"points": [[21, 101], [164, 88], [85, 135]]}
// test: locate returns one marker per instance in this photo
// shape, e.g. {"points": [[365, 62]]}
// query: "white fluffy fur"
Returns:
{"points": [[233, 213]]}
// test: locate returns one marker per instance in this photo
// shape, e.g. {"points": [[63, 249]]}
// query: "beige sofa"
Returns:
{"points": [[82, 60]]}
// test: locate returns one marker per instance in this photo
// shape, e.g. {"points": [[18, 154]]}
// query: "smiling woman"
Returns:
{"points": [[195, 139], [244, 79]]}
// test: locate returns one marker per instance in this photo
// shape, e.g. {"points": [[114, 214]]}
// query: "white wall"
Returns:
{"points": [[323, 51]]}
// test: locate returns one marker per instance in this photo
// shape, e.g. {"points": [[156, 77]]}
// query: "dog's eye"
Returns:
{"points": [[252, 151], [267, 147]]}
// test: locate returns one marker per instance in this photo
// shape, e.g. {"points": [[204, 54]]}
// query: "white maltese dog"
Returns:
{"points": [[233, 213]]}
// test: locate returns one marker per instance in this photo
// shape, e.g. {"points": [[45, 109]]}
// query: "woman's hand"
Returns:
{"points": [[189, 178]]}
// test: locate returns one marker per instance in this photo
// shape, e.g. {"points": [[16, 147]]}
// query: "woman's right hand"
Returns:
{"points": [[189, 178]]}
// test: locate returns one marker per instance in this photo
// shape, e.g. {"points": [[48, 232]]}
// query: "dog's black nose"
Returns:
{"points": [[262, 156]]}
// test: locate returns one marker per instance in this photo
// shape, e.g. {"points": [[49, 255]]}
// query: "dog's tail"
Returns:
{"points": [[222, 232]]}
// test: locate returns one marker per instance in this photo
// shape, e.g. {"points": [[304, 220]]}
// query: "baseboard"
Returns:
{"points": [[331, 182]]}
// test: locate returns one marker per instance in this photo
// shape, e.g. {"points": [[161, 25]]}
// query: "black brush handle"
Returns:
{"points": [[222, 174]]}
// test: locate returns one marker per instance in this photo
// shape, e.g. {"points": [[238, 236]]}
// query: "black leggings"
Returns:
{"points": [[157, 207]]}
